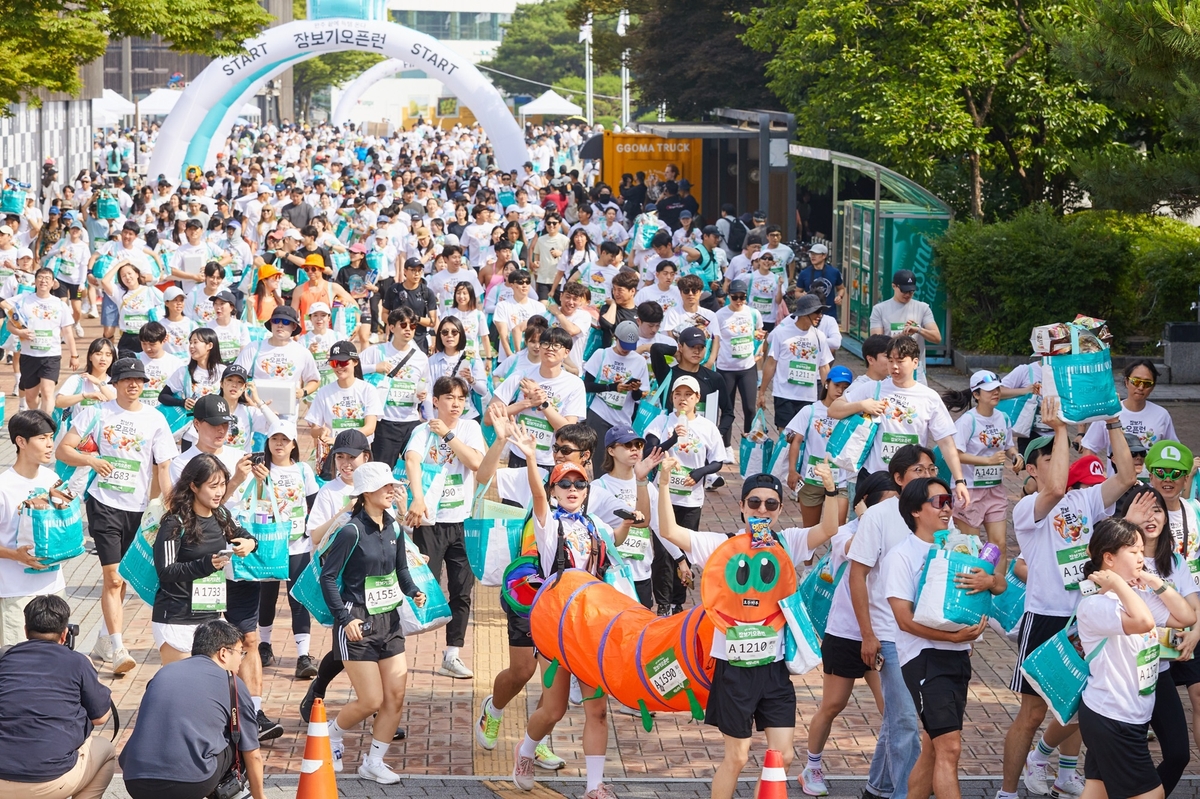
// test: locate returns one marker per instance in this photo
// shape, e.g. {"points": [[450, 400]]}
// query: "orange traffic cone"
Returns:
{"points": [[773, 783], [317, 780]]}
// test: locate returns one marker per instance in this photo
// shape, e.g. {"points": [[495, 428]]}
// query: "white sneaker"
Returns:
{"points": [[812, 782], [16, 392], [102, 652], [339, 749], [626, 710], [79, 330], [377, 771], [576, 696], [374, 339], [730, 455], [122, 661], [1036, 776], [1067, 784], [523, 771], [454, 667]]}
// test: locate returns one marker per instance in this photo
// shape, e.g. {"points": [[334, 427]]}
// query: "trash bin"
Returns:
{"points": [[1181, 351]]}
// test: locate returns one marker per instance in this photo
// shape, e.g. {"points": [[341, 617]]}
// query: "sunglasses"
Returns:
{"points": [[737, 297], [407, 325], [450, 332], [340, 364], [565, 450], [579, 485], [1167, 474], [941, 501], [754, 503], [281, 321], [1140, 382], [690, 291]]}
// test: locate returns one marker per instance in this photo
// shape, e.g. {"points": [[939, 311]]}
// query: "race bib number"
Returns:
{"points": [[678, 484], [208, 594], [749, 645], [1147, 665], [43, 340], [989, 475], [383, 594], [613, 399], [763, 304], [1070, 565], [1194, 567], [453, 495], [636, 545], [666, 675], [402, 394], [123, 478], [741, 346], [810, 475], [802, 373], [135, 321], [540, 429], [890, 442]]}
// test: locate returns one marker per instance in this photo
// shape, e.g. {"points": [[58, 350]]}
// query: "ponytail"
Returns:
{"points": [[1109, 536], [958, 400]]}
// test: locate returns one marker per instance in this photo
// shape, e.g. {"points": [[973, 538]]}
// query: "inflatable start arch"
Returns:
{"points": [[354, 90], [198, 124]]}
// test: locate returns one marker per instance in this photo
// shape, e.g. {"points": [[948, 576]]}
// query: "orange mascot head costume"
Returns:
{"points": [[744, 584]]}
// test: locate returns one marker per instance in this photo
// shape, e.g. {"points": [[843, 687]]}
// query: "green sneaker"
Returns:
{"points": [[487, 729], [543, 757]]}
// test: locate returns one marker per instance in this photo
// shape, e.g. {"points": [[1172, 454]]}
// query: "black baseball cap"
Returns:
{"points": [[343, 351], [213, 409], [351, 442], [225, 295], [414, 263], [905, 280], [128, 368], [762, 480], [234, 370], [692, 337]]}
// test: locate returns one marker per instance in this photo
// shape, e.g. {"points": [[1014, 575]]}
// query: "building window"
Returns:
{"points": [[454, 25]]}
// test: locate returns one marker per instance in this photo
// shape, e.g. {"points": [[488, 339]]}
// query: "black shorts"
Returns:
{"points": [[744, 698], [1033, 631], [384, 639], [1117, 755], [66, 291], [843, 657], [241, 604], [937, 680], [112, 530], [518, 628], [34, 370], [1185, 672], [786, 409]]}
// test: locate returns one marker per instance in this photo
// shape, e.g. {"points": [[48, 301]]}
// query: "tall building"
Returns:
{"points": [[472, 28], [60, 129]]}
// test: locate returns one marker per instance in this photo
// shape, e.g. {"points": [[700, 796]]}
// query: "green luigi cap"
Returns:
{"points": [[1036, 444], [1170, 455]]}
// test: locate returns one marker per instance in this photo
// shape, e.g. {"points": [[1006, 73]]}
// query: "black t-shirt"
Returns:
{"points": [[709, 380], [421, 299], [48, 696], [178, 563], [606, 329], [669, 209]]}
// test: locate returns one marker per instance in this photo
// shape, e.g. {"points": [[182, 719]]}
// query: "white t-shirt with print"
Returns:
{"points": [[178, 333], [565, 393], [133, 442], [912, 415], [1055, 548], [345, 408], [700, 446], [607, 366], [842, 621], [880, 530], [798, 362], [1151, 424], [292, 486], [458, 487], [736, 330], [814, 424], [902, 571], [1121, 685], [14, 581], [292, 362], [158, 371], [46, 318], [983, 436], [607, 495], [763, 291]]}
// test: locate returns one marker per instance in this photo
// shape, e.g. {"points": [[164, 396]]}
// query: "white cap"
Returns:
{"points": [[24, 252], [318, 307], [6, 229], [372, 477], [512, 209], [292, 233], [172, 293], [283, 427], [985, 380], [819, 249], [686, 380]]}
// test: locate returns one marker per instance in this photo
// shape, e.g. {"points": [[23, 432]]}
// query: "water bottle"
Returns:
{"points": [[990, 553]]}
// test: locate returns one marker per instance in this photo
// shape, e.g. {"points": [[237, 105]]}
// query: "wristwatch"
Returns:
{"points": [[960, 480], [544, 405], [1162, 589], [446, 439], [832, 493], [1113, 425]]}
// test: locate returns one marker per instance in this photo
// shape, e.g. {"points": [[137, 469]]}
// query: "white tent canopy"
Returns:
{"points": [[251, 110], [159, 102], [551, 104], [108, 109]]}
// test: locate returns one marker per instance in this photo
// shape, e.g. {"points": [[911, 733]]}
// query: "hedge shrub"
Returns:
{"points": [[1136, 271]]}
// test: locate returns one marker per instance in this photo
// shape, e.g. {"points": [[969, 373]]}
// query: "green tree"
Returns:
{"points": [[688, 54], [44, 42], [926, 83], [605, 87], [539, 44], [324, 71], [1143, 58]]}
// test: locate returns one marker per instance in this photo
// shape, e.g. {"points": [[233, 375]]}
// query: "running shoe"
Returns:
{"points": [[306, 667], [266, 654], [454, 667], [812, 782], [544, 757], [1067, 785], [307, 702], [523, 771], [102, 652], [122, 661], [338, 748], [487, 728], [377, 771], [1036, 776], [576, 693], [602, 792], [268, 730]]}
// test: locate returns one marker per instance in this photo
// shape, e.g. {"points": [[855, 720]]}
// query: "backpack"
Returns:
{"points": [[737, 234]]}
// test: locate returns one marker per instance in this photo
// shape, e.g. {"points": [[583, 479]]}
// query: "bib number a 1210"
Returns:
{"points": [[749, 645]]}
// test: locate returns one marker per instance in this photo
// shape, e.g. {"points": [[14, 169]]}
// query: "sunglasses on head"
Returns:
{"points": [[566, 484], [754, 503], [1167, 474], [1140, 382], [940, 501]]}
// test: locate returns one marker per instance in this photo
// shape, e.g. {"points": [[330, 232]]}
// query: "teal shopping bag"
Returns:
{"points": [[1009, 607], [817, 589], [436, 610], [493, 538], [1059, 673], [271, 529], [307, 589], [54, 534], [137, 565], [648, 410], [1083, 383]]}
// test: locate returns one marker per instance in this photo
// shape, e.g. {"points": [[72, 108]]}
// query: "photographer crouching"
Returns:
{"points": [[50, 700], [196, 733]]}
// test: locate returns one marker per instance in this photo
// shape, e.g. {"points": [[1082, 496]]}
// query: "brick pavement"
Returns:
{"points": [[439, 712]]}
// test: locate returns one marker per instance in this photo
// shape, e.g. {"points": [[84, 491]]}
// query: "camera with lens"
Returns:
{"points": [[72, 634]]}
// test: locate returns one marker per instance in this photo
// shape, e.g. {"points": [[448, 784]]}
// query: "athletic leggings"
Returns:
{"points": [[1171, 727], [744, 382], [268, 597]]}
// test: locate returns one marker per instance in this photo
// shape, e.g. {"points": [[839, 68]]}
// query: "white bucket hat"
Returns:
{"points": [[372, 477]]}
